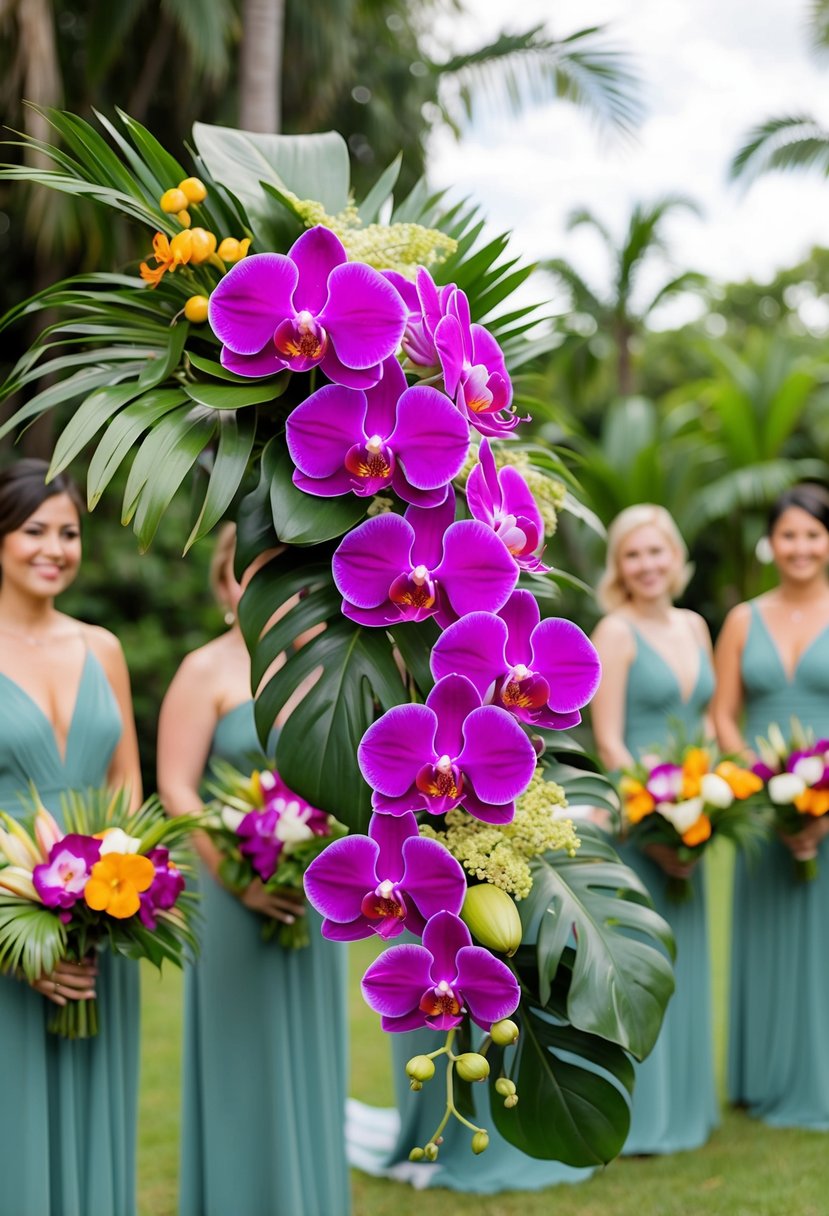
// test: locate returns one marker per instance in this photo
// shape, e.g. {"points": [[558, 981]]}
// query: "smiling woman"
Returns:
{"points": [[65, 723]]}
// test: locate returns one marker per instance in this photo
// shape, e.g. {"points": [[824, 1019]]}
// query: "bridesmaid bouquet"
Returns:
{"points": [[795, 774], [113, 877], [684, 800], [264, 830]]}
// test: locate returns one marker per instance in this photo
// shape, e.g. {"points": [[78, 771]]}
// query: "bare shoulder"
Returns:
{"points": [[614, 630], [735, 625], [104, 644], [697, 624], [201, 666]]}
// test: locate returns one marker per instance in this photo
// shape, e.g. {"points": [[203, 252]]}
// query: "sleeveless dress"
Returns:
{"points": [[69, 1109], [265, 1052], [674, 1100], [778, 1062]]}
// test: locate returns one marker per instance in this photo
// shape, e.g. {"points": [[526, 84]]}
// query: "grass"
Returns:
{"points": [[746, 1169]]}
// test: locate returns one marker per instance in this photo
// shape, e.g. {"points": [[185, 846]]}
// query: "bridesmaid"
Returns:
{"points": [[68, 1118], [265, 1031], [772, 664], [656, 673]]}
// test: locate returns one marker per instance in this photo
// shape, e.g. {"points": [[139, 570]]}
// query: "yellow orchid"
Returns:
{"points": [[168, 255], [743, 781], [697, 832], [695, 765], [813, 802], [116, 882], [638, 801]]}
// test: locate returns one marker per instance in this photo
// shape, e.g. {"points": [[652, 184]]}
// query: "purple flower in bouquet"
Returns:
{"points": [[391, 880], [503, 500], [309, 308], [60, 881], [452, 751], [346, 439], [664, 783], [285, 821], [543, 672], [392, 568], [164, 890], [436, 983]]}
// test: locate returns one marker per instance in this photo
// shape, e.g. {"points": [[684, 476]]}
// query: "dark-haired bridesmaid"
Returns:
{"points": [[69, 1108], [772, 661]]}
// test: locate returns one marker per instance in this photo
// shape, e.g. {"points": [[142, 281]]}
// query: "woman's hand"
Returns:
{"points": [[804, 844], [285, 906], [68, 982], [665, 856]]}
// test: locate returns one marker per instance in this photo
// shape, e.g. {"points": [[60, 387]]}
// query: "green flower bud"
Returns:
{"points": [[415, 1085], [504, 1087], [504, 1033], [480, 1141], [430, 1152], [472, 1067], [420, 1068], [511, 1101], [492, 917], [417, 1154]]}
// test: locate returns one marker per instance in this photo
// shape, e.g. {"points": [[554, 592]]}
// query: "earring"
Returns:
{"points": [[230, 617]]}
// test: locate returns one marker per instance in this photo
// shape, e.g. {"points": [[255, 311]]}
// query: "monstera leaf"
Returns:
{"points": [[597, 908]]}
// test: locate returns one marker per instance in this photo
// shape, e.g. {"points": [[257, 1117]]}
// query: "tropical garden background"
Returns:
{"points": [[711, 419]]}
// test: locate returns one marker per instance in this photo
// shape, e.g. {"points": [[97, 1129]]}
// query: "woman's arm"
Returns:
{"points": [[728, 700], [125, 767], [614, 643]]}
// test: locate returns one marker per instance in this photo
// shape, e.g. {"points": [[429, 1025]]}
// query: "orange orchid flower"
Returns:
{"points": [[813, 802], [697, 832], [695, 765], [168, 255], [741, 781], [115, 883], [638, 801]]}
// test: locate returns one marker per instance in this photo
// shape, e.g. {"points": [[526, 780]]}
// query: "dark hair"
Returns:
{"points": [[809, 496], [23, 489]]}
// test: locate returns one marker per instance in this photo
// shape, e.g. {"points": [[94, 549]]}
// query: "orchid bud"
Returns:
{"points": [[193, 189], [510, 1101], [420, 1068], [416, 1154], [472, 1067], [430, 1152], [505, 1087], [493, 918], [172, 201], [195, 309], [480, 1141], [504, 1033]]}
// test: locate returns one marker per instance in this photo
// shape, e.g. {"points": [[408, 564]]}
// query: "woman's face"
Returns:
{"points": [[648, 563], [42, 556], [799, 545]]}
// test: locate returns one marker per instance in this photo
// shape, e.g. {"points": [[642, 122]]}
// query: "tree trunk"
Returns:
{"points": [[260, 65]]}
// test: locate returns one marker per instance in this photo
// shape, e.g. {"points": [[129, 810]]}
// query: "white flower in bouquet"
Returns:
{"points": [[116, 840], [231, 818], [682, 815], [809, 769], [785, 787], [292, 825], [716, 791]]}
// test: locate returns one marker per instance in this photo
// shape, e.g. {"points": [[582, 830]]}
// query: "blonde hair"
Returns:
{"points": [[610, 591], [222, 559]]}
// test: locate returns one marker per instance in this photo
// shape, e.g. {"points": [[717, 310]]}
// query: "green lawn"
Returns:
{"points": [[746, 1169]]}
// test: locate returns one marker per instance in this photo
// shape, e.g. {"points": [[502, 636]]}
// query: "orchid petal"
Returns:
{"points": [[265, 363], [452, 700], [567, 659], [384, 614], [381, 401], [337, 880], [334, 368], [449, 345], [370, 557], [434, 880], [391, 833], [431, 438], [417, 498], [445, 934], [429, 527], [341, 482], [316, 253], [254, 295], [497, 756], [396, 746], [412, 799], [364, 316], [490, 990], [487, 812], [359, 929], [477, 571], [405, 288], [320, 431], [485, 349], [414, 1020], [520, 614], [472, 647], [395, 982]]}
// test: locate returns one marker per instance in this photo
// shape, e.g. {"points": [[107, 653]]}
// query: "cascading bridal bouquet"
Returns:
{"points": [[264, 830], [113, 878], [686, 797], [795, 776]]}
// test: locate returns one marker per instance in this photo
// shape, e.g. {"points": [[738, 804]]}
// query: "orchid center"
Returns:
{"points": [[371, 461], [414, 590], [523, 689], [477, 393], [302, 338], [385, 902], [512, 534], [441, 780], [440, 1000]]}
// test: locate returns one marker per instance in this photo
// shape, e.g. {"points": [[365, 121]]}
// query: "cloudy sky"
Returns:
{"points": [[712, 69]]}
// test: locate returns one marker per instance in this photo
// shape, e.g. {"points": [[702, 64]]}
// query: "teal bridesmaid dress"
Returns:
{"points": [[68, 1111], [264, 1055], [778, 1064], [674, 1099]]}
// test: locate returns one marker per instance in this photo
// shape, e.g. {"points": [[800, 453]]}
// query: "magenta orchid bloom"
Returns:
{"points": [[452, 751], [435, 984], [543, 672], [391, 880], [503, 500], [346, 439], [60, 881], [406, 568], [426, 304], [664, 782], [164, 890], [309, 308], [286, 820]]}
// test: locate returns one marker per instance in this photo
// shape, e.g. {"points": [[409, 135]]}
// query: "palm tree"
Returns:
{"points": [[619, 314]]}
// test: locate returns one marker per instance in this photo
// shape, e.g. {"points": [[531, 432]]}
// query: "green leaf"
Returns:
{"points": [[415, 640], [234, 397], [300, 518], [123, 433], [88, 420], [211, 367], [236, 436], [621, 983], [163, 461], [369, 208]]}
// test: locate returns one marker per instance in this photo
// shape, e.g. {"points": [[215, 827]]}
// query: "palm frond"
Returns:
{"points": [[792, 141]]}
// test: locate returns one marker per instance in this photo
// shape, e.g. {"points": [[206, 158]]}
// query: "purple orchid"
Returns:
{"points": [[285, 821], [392, 568], [664, 782], [437, 983], [452, 751], [164, 890], [310, 307], [543, 672], [346, 439], [391, 880], [60, 881], [503, 500]]}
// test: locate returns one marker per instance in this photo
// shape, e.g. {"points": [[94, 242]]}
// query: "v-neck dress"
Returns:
{"points": [[778, 1062], [674, 1099], [68, 1110], [265, 1054]]}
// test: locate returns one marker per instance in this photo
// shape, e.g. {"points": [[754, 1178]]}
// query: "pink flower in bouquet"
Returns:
{"points": [[286, 820], [61, 880], [165, 889]]}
